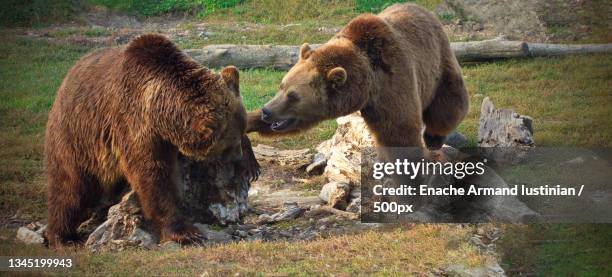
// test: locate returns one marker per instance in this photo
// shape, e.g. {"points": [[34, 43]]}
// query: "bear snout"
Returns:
{"points": [[266, 115]]}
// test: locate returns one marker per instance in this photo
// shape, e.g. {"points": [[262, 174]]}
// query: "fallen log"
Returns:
{"points": [[489, 49], [545, 49], [282, 57]]}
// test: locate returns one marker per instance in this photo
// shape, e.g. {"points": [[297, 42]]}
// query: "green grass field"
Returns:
{"points": [[567, 97]]}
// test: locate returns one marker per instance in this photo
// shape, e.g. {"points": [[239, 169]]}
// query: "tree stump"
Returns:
{"points": [[503, 127], [504, 135], [211, 192]]}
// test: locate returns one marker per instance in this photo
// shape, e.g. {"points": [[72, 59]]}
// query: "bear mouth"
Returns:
{"points": [[282, 125]]}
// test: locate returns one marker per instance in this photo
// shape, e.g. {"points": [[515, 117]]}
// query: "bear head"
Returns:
{"points": [[333, 80], [186, 104]]}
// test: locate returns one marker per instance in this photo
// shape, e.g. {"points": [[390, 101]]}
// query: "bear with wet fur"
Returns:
{"points": [[123, 115], [396, 67]]}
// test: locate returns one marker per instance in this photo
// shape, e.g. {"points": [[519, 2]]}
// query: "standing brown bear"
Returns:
{"points": [[125, 114], [397, 68]]}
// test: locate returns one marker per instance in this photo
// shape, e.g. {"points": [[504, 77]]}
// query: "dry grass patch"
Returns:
{"points": [[398, 251], [401, 250]]}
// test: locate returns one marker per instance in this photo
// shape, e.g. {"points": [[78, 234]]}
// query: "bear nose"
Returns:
{"points": [[266, 114]]}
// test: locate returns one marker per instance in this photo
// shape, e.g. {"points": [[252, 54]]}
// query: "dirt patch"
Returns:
{"points": [[464, 20], [528, 20]]}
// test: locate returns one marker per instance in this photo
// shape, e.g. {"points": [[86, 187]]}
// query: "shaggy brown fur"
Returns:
{"points": [[397, 68], [124, 114]]}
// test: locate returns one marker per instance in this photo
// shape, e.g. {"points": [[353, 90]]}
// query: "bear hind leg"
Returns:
{"points": [[448, 107], [71, 196]]}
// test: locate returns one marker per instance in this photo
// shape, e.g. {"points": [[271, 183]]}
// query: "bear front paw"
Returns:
{"points": [[182, 233], [249, 166]]}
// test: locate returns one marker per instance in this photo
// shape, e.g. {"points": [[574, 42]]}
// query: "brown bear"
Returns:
{"points": [[396, 67], [124, 115]]}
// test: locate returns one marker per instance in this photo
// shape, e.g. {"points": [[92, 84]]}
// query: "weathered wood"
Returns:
{"points": [[503, 127], [282, 57], [489, 50], [545, 49], [300, 158], [504, 136], [316, 210]]}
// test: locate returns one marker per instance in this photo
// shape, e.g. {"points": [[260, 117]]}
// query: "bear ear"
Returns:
{"points": [[372, 35], [305, 51], [232, 78], [337, 76]]}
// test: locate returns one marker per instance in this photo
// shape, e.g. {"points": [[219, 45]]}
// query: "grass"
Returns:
{"points": [[558, 249], [97, 32], [261, 11], [567, 97], [375, 6], [160, 7], [30, 73], [251, 33], [38, 12], [283, 12], [398, 251], [570, 21]]}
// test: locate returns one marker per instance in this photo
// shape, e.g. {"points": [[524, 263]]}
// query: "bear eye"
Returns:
{"points": [[292, 96]]}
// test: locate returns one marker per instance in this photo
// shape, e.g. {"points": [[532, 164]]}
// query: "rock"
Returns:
{"points": [[318, 165], [241, 233], [480, 231], [459, 270], [354, 206], [298, 159], [355, 193], [577, 160], [264, 219], [497, 208], [28, 236], [41, 230], [122, 39], [213, 236], [290, 211], [143, 238], [478, 242], [335, 194], [318, 210], [171, 245], [344, 149], [326, 220], [457, 140], [503, 127], [206, 34], [124, 227]]}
